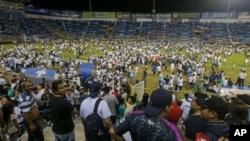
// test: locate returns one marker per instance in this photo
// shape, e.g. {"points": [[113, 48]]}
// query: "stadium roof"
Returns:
{"points": [[144, 6]]}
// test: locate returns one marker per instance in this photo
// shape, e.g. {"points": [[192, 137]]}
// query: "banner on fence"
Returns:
{"points": [[219, 15], [163, 20], [123, 15], [98, 14], [36, 10], [142, 15], [66, 13], [188, 15], [244, 15], [163, 15]]}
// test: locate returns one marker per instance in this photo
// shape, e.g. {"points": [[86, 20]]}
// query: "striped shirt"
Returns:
{"points": [[26, 102]]}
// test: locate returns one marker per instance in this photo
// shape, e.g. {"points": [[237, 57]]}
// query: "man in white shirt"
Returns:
{"points": [[2, 80], [172, 65], [242, 77], [186, 105], [179, 83], [88, 104]]}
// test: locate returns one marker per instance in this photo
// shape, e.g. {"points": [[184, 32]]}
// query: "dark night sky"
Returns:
{"points": [[146, 6]]}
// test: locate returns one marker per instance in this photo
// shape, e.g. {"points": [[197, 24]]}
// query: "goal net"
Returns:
{"points": [[138, 89]]}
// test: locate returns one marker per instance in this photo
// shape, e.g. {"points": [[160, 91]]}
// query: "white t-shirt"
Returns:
{"points": [[87, 107]]}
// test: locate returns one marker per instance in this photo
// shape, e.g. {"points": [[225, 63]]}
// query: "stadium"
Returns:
{"points": [[122, 39]]}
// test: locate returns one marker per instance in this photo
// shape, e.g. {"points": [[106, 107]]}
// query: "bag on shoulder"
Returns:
{"points": [[94, 126], [201, 136]]}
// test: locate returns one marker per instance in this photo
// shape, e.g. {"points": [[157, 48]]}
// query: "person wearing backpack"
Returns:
{"points": [[95, 115], [214, 111], [149, 124], [61, 113]]}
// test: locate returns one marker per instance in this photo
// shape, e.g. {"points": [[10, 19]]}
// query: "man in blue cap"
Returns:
{"points": [[151, 123], [88, 104]]}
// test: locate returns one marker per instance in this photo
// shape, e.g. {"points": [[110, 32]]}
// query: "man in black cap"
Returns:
{"points": [[214, 111], [88, 104], [151, 123], [194, 122]]}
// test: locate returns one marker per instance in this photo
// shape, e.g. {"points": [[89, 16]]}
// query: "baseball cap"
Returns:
{"points": [[159, 99], [216, 104], [94, 88], [190, 97], [200, 98]]}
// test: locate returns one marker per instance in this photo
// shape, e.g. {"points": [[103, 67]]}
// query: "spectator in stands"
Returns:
{"points": [[150, 123], [131, 104], [186, 106], [121, 109], [87, 107], [238, 112], [246, 99], [144, 76], [112, 102], [37, 93], [2, 80], [10, 119], [30, 110], [214, 111], [124, 94], [20, 118], [83, 94], [143, 103], [7, 87], [175, 112], [154, 69], [242, 77], [46, 114], [229, 82], [61, 114], [194, 122]]}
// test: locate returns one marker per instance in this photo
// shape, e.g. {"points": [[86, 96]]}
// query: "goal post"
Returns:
{"points": [[138, 89]]}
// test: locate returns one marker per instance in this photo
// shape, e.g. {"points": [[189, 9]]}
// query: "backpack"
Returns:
{"points": [[201, 136], [94, 127]]}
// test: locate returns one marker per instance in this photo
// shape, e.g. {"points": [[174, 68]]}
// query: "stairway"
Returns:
{"points": [[59, 33]]}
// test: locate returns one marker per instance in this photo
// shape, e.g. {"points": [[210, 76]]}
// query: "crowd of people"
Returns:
{"points": [[157, 116]]}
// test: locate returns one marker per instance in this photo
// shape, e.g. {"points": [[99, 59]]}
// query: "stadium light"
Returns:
{"points": [[153, 10], [229, 6], [90, 6]]}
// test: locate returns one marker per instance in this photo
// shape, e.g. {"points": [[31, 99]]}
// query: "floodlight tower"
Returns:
{"points": [[229, 6], [90, 6], [228, 16], [153, 12]]}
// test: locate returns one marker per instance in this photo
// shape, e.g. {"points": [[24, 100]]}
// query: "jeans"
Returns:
{"points": [[13, 137], [36, 135], [65, 137]]}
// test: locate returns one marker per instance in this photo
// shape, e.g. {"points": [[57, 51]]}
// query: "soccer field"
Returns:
{"points": [[152, 80]]}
